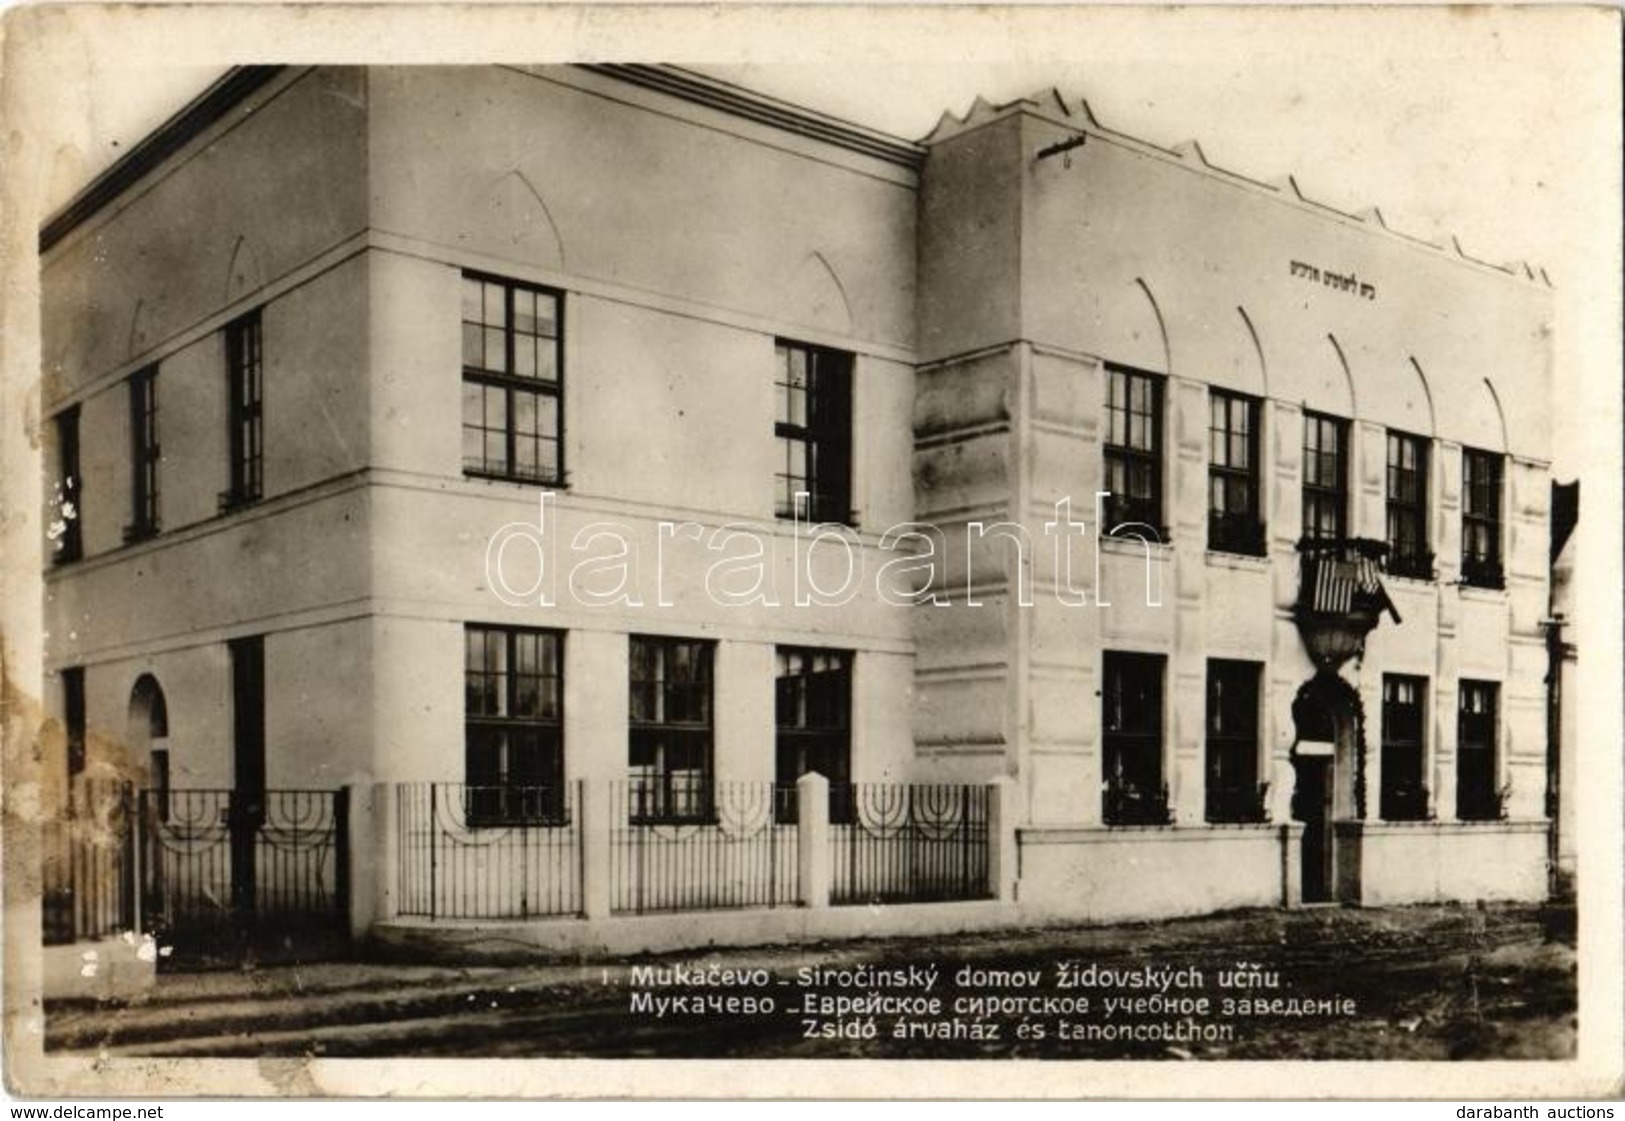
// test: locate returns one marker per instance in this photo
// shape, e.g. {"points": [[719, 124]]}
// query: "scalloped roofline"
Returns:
{"points": [[1051, 105], [238, 83]]}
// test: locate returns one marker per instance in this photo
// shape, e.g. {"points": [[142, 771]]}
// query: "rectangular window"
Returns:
{"points": [[812, 388], [1131, 734], [1477, 795], [1408, 552], [1325, 477], [1481, 518], [513, 381], [245, 367], [144, 455], [670, 729], [1133, 448], [73, 717], [813, 705], [1404, 796], [1233, 792], [69, 514], [513, 708], [1234, 524]]}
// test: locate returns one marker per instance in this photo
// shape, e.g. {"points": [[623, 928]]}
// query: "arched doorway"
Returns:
{"points": [[147, 734], [1328, 758]]}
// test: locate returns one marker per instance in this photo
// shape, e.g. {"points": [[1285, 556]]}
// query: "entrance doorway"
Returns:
{"points": [[1326, 759]]}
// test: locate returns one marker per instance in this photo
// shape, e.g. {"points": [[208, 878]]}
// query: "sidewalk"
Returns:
{"points": [[1431, 982]]}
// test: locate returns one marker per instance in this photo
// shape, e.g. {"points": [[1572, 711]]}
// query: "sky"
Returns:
{"points": [[1499, 127]]}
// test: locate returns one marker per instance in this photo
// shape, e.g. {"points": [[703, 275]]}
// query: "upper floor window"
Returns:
{"points": [[1481, 518], [1233, 791], [1477, 796], [1234, 524], [1408, 552], [1404, 794], [813, 423], [245, 369], [68, 516], [144, 455], [513, 381], [1133, 448], [1131, 739], [671, 728], [813, 705], [513, 688], [1325, 477]]}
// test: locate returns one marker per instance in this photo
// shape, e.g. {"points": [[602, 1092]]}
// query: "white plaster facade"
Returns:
{"points": [[981, 290]]}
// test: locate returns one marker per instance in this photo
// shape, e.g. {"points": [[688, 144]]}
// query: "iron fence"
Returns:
{"points": [[226, 857], [488, 852], [727, 848], [88, 865], [910, 844]]}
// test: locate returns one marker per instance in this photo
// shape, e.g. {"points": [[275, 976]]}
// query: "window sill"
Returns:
{"points": [[557, 483], [1482, 594], [1243, 562], [135, 534], [1132, 546], [230, 501]]}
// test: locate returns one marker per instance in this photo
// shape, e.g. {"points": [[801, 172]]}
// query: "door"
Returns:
{"points": [[1313, 807]]}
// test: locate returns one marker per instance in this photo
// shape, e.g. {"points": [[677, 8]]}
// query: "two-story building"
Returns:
{"points": [[529, 428]]}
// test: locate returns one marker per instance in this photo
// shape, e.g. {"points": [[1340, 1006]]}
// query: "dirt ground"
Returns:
{"points": [[1420, 983]]}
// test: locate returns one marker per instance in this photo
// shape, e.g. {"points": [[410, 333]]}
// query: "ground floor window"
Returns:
{"points": [[670, 733], [514, 704], [1404, 795], [1477, 796], [813, 706], [1233, 791], [1131, 739]]}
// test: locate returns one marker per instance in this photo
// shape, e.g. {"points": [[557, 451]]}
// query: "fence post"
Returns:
{"points": [[384, 837], [1002, 866], [812, 838], [595, 803]]}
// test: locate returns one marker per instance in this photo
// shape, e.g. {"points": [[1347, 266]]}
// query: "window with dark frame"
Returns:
{"points": [[1325, 477], [1133, 449], [513, 381], [73, 717], [1131, 739], [1408, 552], [70, 510], [245, 368], [1233, 793], [1234, 522], [813, 716], [670, 729], [1481, 519], [513, 699], [812, 389], [1404, 795], [144, 455], [1477, 793]]}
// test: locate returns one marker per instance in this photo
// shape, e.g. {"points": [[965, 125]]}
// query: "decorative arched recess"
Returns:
{"points": [[814, 295], [1427, 397], [1479, 421], [148, 716], [513, 221], [1405, 403], [1328, 385], [1255, 354], [246, 272], [1167, 365], [143, 332]]}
